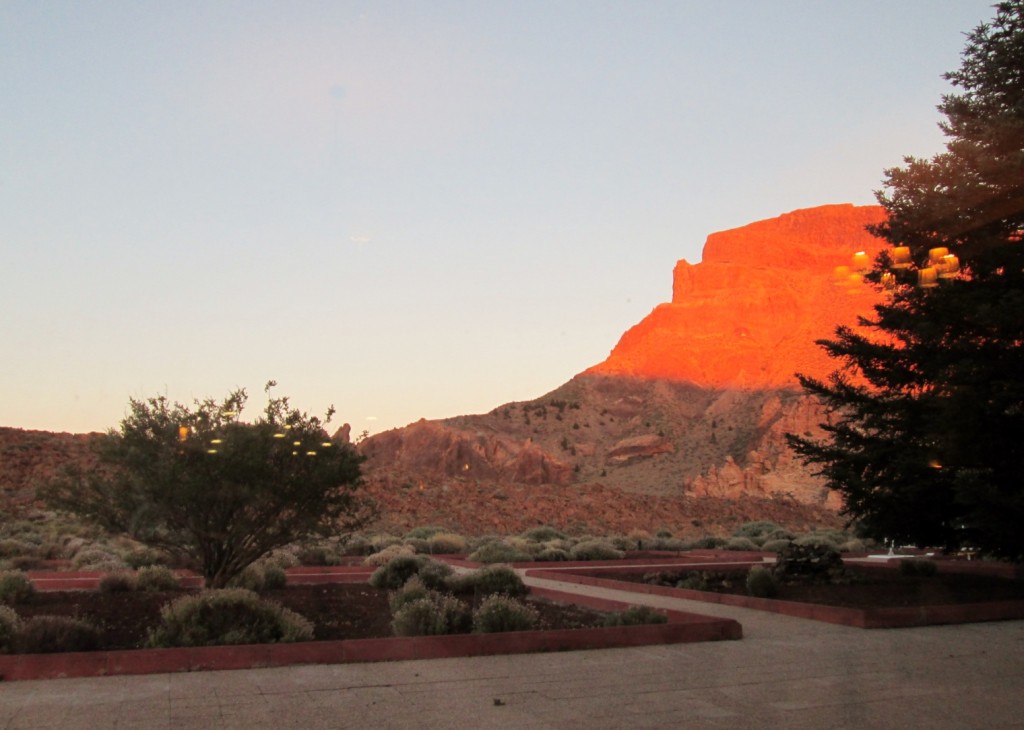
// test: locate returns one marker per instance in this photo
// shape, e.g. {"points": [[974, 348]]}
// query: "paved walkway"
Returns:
{"points": [[785, 673]]}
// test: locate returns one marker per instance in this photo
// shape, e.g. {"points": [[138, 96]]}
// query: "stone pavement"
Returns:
{"points": [[784, 673]]}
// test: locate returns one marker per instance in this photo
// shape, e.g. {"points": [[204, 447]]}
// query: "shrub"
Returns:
{"points": [[498, 551], [817, 540], [424, 533], [447, 542], [434, 573], [432, 615], [635, 616], [595, 550], [317, 555], [710, 542], [274, 578], [15, 588], [775, 545], [419, 546], [551, 554], [156, 578], [694, 582], [53, 634], [672, 543], [251, 579], [142, 557], [502, 613], [542, 534], [761, 583], [27, 562], [816, 559], [383, 556], [95, 558], [853, 546], [9, 626], [740, 543], [399, 569], [11, 548], [227, 616], [489, 581], [123, 581], [918, 567], [413, 590]]}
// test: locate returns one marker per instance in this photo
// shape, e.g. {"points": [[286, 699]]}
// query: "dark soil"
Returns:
{"points": [[337, 610], [859, 588]]}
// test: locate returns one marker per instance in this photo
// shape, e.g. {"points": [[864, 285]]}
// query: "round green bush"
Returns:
{"points": [[710, 542], [398, 570], [432, 615], [635, 616], [274, 578], [123, 581], [144, 556], [595, 550], [425, 532], [543, 534], [741, 543], [56, 634], [775, 545], [499, 551], [489, 581], [447, 543], [227, 616], [156, 578], [9, 626], [761, 583], [15, 588], [551, 555], [413, 590], [921, 567], [499, 613]]}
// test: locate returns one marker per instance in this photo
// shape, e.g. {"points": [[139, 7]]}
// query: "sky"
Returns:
{"points": [[410, 209]]}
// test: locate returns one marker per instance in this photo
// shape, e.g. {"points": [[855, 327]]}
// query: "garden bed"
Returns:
{"points": [[352, 623], [875, 596]]}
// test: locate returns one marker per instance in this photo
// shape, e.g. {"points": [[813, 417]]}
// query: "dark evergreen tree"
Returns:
{"points": [[219, 492], [926, 433]]}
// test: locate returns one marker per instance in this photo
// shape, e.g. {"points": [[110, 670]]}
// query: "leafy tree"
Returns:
{"points": [[214, 490], [926, 436]]}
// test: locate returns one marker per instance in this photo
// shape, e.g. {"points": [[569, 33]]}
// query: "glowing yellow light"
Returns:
{"points": [[901, 257], [296, 443], [935, 464], [182, 433], [211, 451], [928, 277], [310, 453], [279, 435], [841, 274], [935, 254], [295, 453], [889, 280], [950, 266], [229, 414], [861, 261], [326, 444], [216, 441]]}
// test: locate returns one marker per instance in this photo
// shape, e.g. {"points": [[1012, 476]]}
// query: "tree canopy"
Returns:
{"points": [[221, 493], [925, 440]]}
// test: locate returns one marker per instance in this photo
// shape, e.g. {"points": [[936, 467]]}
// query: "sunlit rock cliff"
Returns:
{"points": [[688, 411]]}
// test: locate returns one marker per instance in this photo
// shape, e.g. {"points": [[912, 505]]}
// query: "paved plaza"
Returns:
{"points": [[785, 673]]}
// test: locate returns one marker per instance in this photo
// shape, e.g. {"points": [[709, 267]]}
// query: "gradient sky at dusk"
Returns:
{"points": [[410, 209]]}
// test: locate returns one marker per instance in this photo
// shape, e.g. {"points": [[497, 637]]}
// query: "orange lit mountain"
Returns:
{"points": [[682, 426], [747, 315]]}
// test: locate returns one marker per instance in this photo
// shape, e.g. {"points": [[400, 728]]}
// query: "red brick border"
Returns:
{"points": [[681, 628]]}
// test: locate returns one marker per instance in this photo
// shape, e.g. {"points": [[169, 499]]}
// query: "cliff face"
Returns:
{"points": [[694, 401], [748, 314]]}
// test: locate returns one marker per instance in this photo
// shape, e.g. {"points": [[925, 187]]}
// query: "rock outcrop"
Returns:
{"points": [[748, 314]]}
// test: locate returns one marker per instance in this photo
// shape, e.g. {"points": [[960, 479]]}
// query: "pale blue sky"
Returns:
{"points": [[410, 209]]}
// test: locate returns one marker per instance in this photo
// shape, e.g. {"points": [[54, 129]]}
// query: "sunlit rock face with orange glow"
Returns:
{"points": [[683, 425], [748, 314]]}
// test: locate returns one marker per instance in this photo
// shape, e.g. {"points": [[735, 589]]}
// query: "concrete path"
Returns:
{"points": [[785, 673]]}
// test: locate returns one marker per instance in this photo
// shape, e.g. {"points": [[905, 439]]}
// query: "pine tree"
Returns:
{"points": [[926, 436]]}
